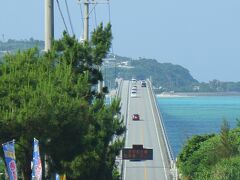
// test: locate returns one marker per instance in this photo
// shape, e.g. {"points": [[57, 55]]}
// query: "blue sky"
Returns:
{"points": [[201, 35]]}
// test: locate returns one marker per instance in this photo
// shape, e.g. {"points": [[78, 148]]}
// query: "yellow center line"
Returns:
{"points": [[142, 136], [145, 173], [145, 169]]}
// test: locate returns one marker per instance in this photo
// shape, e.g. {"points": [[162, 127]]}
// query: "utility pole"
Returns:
{"points": [[49, 36], [87, 14], [49, 24], [86, 20], [86, 32]]}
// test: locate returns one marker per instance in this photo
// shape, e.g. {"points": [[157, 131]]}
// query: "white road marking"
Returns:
{"points": [[126, 141], [157, 135]]}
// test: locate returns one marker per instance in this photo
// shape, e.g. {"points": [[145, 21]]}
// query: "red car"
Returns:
{"points": [[135, 117]]}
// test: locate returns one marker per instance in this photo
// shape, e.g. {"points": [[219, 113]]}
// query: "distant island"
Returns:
{"points": [[166, 77]]}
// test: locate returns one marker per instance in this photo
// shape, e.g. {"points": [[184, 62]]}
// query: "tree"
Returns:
{"points": [[226, 147], [224, 169], [50, 97], [85, 56], [215, 157], [186, 159], [238, 122], [2, 169]]}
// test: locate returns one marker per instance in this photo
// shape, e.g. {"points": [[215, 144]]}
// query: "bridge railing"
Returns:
{"points": [[119, 88], [119, 161], [166, 140]]}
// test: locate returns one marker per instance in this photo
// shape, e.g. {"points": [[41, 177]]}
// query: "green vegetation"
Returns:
{"points": [[166, 76], [50, 97], [212, 156], [2, 169], [14, 45], [219, 86]]}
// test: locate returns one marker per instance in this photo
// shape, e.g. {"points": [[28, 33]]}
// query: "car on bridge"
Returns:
{"points": [[134, 94], [134, 88], [134, 80], [143, 84], [135, 117]]}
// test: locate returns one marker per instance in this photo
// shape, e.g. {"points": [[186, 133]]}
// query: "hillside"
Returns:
{"points": [[165, 76], [14, 45]]}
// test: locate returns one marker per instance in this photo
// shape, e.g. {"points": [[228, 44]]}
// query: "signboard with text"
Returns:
{"points": [[137, 152]]}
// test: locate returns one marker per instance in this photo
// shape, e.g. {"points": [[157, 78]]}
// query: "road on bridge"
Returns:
{"points": [[143, 132]]}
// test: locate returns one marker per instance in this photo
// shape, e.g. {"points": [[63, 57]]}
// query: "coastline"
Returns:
{"points": [[171, 95], [192, 94]]}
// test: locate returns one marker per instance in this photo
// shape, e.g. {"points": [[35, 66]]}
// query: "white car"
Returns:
{"points": [[133, 94], [134, 80], [133, 91], [134, 88]]}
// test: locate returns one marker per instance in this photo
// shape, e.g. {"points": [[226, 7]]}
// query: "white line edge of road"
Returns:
{"points": [[157, 134], [126, 141]]}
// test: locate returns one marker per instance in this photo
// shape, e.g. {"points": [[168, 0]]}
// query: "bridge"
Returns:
{"points": [[149, 131]]}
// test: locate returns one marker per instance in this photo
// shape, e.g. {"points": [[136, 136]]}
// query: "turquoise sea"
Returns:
{"points": [[187, 116]]}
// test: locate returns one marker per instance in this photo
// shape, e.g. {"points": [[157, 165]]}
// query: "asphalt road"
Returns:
{"points": [[143, 132]]}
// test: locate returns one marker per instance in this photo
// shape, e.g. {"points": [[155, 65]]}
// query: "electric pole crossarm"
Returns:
{"points": [[95, 2], [86, 25], [87, 14]]}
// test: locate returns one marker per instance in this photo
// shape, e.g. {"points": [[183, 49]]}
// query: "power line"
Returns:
{"points": [[59, 8], [92, 9], [115, 64], [109, 18], [80, 6], [70, 21], [109, 12], [95, 15], [81, 14]]}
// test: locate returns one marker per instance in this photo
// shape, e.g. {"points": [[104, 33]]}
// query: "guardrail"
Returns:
{"points": [[119, 93], [119, 89], [166, 141], [170, 156], [125, 133], [174, 170]]}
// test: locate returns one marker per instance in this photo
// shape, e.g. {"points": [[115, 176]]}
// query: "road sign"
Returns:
{"points": [[137, 152]]}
